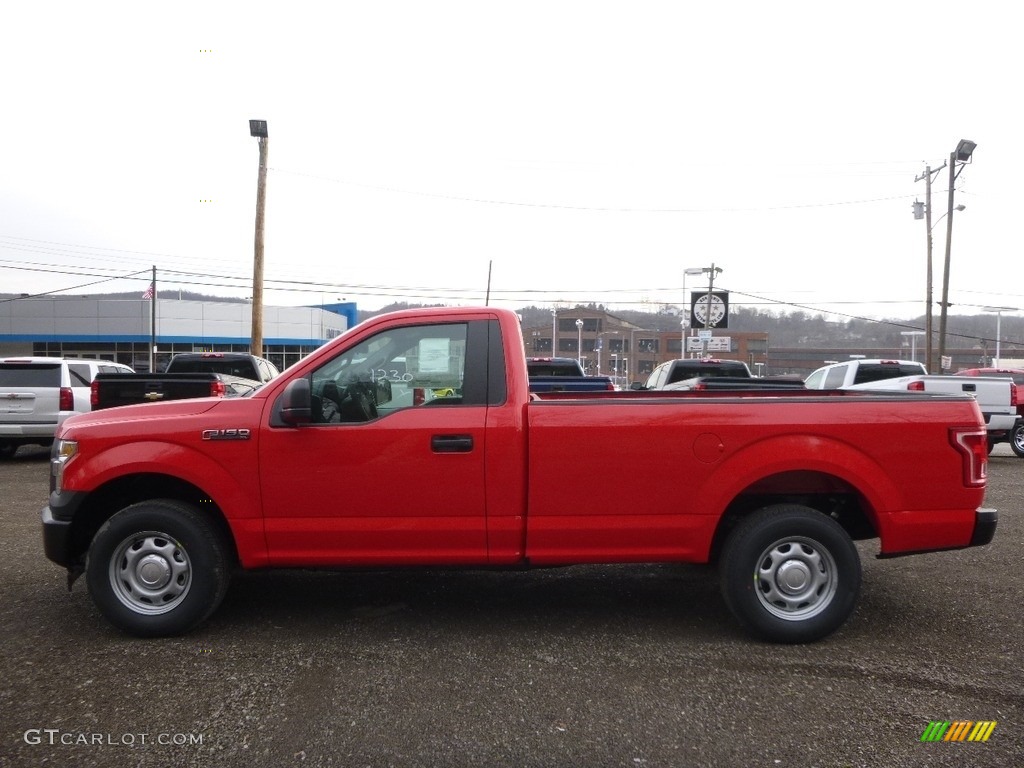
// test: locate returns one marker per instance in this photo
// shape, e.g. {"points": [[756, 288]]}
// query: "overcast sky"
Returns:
{"points": [[573, 151]]}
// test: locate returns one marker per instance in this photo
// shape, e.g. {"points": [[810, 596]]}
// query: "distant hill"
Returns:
{"points": [[793, 329], [785, 329]]}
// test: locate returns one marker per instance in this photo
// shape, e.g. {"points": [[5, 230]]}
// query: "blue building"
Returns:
{"points": [[120, 329]]}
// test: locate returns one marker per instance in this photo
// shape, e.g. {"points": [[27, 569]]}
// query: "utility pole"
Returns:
{"points": [[712, 271], [711, 292], [258, 129], [959, 156], [927, 176], [152, 323], [944, 309], [928, 362]]}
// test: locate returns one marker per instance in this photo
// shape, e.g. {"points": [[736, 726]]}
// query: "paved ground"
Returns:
{"points": [[623, 666]]}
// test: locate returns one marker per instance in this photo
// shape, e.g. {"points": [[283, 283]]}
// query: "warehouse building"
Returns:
{"points": [[121, 329]]}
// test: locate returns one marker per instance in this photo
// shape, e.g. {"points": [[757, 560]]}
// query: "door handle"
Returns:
{"points": [[451, 443]]}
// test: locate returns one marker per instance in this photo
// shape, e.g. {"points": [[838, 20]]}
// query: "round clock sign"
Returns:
{"points": [[709, 317]]}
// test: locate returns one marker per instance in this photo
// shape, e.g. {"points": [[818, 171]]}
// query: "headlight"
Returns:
{"points": [[63, 452], [65, 449]]}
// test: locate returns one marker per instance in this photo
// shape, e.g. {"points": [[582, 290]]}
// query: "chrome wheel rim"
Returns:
{"points": [[795, 578], [150, 573], [1018, 439]]}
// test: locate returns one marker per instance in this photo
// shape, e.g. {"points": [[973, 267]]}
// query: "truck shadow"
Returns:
{"points": [[657, 598]]}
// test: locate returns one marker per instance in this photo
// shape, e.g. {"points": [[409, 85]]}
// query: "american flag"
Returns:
{"points": [[149, 291]]}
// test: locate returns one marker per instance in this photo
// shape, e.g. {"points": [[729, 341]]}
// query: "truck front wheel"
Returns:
{"points": [[790, 574], [157, 568]]}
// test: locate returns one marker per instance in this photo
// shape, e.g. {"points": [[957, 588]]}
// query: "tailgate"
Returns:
{"points": [[29, 393]]}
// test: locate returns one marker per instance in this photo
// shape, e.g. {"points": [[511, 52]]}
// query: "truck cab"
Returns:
{"points": [[862, 371]]}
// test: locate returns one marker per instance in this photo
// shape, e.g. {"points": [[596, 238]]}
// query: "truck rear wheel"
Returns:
{"points": [[157, 568], [1017, 439], [790, 574]]}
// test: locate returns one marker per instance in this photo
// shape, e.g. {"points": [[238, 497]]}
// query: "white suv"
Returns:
{"points": [[38, 393]]}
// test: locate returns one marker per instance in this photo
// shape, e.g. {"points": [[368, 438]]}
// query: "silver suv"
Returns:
{"points": [[38, 393]]}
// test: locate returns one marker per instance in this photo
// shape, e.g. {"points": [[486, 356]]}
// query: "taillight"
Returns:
{"points": [[217, 389], [94, 393], [610, 387], [972, 442], [1013, 394], [67, 399], [916, 386]]}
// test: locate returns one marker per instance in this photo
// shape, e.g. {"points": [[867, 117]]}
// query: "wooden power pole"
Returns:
{"points": [[258, 128]]}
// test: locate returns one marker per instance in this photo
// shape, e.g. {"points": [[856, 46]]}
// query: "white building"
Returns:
{"points": [[120, 329]]}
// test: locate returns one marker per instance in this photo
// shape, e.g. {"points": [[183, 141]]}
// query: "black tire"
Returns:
{"points": [[1017, 439], [157, 568], [7, 450], [801, 546]]}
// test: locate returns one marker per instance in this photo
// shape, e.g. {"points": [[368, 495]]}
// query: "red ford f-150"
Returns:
{"points": [[413, 440]]}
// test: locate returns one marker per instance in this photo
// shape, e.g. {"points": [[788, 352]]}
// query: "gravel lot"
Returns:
{"points": [[637, 666]]}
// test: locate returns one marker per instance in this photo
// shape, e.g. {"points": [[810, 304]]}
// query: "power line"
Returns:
{"points": [[600, 209], [70, 288]]}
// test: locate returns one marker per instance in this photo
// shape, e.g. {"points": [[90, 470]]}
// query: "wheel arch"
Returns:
{"points": [[126, 473], [120, 492], [830, 476]]}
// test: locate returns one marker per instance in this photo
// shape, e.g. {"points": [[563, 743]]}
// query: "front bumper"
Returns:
{"points": [[57, 539], [59, 542]]}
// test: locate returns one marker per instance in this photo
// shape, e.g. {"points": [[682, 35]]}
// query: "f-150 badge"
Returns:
{"points": [[225, 434]]}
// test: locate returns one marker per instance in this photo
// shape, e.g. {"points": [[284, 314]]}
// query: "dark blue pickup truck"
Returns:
{"points": [[563, 374]]}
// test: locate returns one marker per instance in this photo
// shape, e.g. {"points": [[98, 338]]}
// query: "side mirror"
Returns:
{"points": [[294, 406]]}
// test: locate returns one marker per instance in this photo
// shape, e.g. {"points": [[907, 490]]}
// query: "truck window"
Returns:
{"points": [[80, 374], [835, 377], [29, 375], [657, 377], [398, 368], [880, 371]]}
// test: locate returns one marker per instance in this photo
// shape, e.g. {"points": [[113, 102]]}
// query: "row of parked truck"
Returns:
{"points": [[997, 391], [37, 394]]}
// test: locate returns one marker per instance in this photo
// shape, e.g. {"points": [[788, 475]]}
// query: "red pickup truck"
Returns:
{"points": [[413, 440]]}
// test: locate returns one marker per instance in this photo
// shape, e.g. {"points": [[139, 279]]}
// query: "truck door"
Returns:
{"points": [[391, 471]]}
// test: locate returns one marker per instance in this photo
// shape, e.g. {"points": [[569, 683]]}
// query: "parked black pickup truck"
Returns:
{"points": [[684, 373], [189, 374], [562, 374]]}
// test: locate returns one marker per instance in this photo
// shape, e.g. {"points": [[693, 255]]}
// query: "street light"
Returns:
{"points": [[579, 341], [686, 300], [913, 341], [999, 316], [957, 158]]}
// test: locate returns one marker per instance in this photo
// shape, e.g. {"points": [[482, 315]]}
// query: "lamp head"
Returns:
{"points": [[964, 150]]}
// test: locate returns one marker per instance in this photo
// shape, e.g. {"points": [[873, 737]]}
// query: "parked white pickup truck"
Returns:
{"points": [[861, 371], [996, 397]]}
